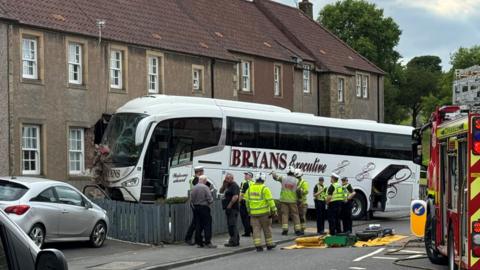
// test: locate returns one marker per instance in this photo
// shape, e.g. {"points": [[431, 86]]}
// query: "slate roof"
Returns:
{"points": [[212, 28]]}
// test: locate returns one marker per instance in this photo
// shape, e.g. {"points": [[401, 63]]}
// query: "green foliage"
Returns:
{"points": [[176, 200], [364, 27], [465, 57]]}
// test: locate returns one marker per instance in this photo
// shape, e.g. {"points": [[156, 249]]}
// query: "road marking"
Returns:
{"points": [[369, 255], [357, 268], [385, 258], [408, 251], [415, 256]]}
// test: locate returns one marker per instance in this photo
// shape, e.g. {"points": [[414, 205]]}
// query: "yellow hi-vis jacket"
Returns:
{"points": [[346, 193], [338, 194], [303, 188], [323, 192], [259, 200], [288, 193]]}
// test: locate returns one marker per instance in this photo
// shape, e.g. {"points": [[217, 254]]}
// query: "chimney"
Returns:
{"points": [[306, 7]]}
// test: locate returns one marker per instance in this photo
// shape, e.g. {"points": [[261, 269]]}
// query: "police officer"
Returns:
{"points": [[248, 180], [346, 214], [302, 192], [288, 200], [319, 195], [198, 171], [261, 208], [335, 198]]}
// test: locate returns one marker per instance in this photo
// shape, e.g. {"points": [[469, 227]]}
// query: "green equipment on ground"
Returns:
{"points": [[340, 240]]}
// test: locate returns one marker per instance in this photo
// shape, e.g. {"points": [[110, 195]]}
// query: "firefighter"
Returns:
{"points": [[346, 214], [261, 208], [288, 200], [319, 195], [302, 192], [248, 180], [335, 198], [193, 181]]}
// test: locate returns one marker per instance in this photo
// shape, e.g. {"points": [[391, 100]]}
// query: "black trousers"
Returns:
{"points": [[334, 211], [203, 220], [347, 216], [191, 228], [321, 215], [245, 218], [232, 217]]}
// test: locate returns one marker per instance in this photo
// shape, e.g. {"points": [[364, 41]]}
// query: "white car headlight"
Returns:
{"points": [[131, 182]]}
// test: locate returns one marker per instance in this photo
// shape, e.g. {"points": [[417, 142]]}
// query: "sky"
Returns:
{"points": [[429, 27]]}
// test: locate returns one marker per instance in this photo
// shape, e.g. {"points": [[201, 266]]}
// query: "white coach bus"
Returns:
{"points": [[155, 141]]}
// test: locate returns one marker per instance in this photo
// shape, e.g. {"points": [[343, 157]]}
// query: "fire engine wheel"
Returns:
{"points": [[359, 206], [433, 255], [451, 252]]}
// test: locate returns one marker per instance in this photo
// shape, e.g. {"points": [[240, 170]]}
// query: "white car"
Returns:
{"points": [[18, 252], [52, 211]]}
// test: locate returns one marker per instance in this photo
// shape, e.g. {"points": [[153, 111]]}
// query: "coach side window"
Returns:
{"points": [[349, 142], [267, 132], [242, 133], [392, 146]]}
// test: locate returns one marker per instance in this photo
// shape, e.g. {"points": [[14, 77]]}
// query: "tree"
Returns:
{"points": [[465, 57], [422, 77], [364, 27]]}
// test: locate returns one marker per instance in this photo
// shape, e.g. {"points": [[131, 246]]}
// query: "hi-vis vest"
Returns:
{"points": [[303, 186], [338, 194], [288, 193], [259, 200], [245, 182], [323, 193], [191, 182], [346, 193]]}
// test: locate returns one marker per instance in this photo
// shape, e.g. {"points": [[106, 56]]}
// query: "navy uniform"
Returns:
{"points": [[347, 206]]}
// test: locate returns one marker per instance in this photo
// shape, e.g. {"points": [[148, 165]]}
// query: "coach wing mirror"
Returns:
{"points": [[142, 129]]}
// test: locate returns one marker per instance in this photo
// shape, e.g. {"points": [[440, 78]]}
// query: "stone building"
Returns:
{"points": [[65, 65]]}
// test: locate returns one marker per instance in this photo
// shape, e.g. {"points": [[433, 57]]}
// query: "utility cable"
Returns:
{"points": [[399, 262]]}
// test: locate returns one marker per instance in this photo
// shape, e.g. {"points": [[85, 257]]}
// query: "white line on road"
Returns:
{"points": [[369, 255], [408, 251], [357, 268], [385, 258], [415, 256]]}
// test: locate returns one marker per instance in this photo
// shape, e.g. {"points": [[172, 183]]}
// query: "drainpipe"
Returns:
{"points": [[318, 93], [212, 76], [378, 99], [11, 156]]}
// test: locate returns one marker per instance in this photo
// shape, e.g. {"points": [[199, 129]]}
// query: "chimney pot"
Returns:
{"points": [[306, 7]]}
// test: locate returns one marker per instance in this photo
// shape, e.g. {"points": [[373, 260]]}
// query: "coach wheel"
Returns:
{"points": [[359, 206]]}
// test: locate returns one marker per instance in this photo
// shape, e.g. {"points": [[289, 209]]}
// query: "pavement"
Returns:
{"points": [[117, 255]]}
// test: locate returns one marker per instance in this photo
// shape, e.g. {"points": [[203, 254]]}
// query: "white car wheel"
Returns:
{"points": [[99, 234], [37, 234]]}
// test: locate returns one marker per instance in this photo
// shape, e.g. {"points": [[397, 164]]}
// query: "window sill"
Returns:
{"points": [[78, 177], [198, 92], [307, 94], [77, 86], [278, 97], [32, 81], [245, 92], [118, 91]]}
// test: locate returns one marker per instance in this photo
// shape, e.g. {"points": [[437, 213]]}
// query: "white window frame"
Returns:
{"points": [[365, 81], [306, 79], [197, 79], [359, 85], [341, 89], [80, 151], [153, 74], [246, 76], [30, 58], [29, 148], [116, 69], [277, 80], [75, 61]]}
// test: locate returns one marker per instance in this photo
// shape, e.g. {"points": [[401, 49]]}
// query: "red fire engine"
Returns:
{"points": [[449, 147]]}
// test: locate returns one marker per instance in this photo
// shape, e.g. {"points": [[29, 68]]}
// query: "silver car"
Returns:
{"points": [[52, 211]]}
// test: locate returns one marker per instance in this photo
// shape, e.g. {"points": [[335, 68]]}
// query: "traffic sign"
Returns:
{"points": [[418, 217]]}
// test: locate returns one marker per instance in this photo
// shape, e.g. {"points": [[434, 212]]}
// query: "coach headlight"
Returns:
{"points": [[131, 182]]}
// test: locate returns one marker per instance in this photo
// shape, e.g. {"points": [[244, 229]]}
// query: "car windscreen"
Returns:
{"points": [[10, 191]]}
